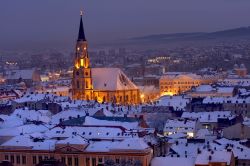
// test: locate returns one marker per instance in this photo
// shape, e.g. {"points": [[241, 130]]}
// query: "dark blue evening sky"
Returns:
{"points": [[55, 22]]}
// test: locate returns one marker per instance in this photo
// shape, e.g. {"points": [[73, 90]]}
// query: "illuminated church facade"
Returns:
{"points": [[101, 84]]}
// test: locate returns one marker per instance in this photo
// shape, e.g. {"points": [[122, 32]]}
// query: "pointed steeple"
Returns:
{"points": [[81, 34]]}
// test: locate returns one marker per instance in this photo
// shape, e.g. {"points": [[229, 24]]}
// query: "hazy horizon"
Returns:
{"points": [[55, 23]]}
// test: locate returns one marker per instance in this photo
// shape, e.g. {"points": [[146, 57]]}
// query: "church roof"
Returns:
{"points": [[111, 79]]}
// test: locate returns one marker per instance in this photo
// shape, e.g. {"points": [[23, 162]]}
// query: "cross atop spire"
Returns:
{"points": [[81, 34]]}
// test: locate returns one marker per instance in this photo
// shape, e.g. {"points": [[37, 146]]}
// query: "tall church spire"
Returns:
{"points": [[82, 87], [81, 34]]}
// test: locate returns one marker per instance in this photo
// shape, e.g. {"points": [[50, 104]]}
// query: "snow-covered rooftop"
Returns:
{"points": [[177, 102], [111, 79], [208, 117], [176, 161], [205, 157]]}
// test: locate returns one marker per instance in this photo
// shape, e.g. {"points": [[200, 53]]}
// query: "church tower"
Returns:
{"points": [[82, 86]]}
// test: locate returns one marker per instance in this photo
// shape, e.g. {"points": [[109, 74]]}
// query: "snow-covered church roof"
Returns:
{"points": [[111, 79]]}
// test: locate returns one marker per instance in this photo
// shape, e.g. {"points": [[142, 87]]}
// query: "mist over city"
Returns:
{"points": [[125, 83]]}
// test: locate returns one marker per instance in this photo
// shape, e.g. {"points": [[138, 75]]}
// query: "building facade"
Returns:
{"points": [[72, 156], [176, 83]]}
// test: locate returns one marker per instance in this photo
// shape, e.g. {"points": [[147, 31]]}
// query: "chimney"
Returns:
{"points": [[198, 151]]}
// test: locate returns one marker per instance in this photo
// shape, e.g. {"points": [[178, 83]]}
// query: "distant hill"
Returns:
{"points": [[243, 32], [178, 39]]}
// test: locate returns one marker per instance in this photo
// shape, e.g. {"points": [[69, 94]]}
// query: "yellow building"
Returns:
{"points": [[175, 83], [101, 84], [240, 70]]}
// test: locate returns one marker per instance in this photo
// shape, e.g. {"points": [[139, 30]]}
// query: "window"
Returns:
{"points": [[63, 159], [23, 159], [126, 98], [18, 159], [40, 158], [6, 157], [34, 159], [77, 84], [12, 159], [100, 160], [117, 161], [93, 161], [76, 161], [82, 62], [87, 161], [87, 84], [69, 161]]}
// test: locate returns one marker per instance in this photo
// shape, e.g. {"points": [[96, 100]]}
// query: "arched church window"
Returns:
{"points": [[87, 84], [77, 84]]}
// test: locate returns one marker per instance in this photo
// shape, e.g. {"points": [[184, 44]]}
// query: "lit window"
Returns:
{"points": [[87, 84], [82, 62], [190, 134]]}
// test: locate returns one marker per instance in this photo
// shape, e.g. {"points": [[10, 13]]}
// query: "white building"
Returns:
{"points": [[188, 127]]}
